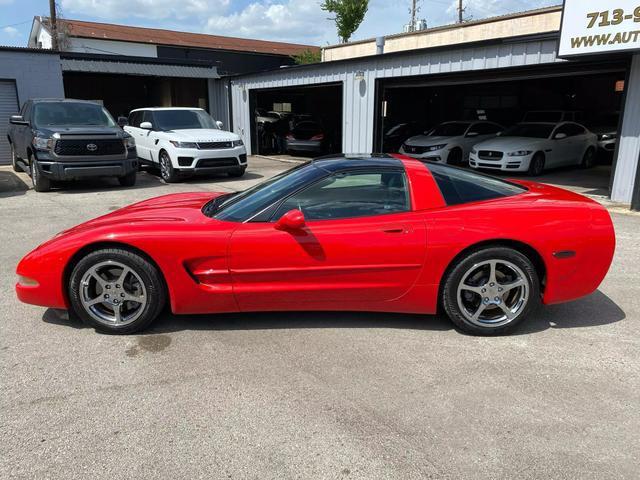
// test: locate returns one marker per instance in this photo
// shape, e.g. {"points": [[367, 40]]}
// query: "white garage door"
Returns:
{"points": [[8, 107]]}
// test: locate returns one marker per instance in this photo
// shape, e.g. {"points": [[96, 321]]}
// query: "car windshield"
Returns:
{"points": [[70, 113], [452, 129], [543, 116], [183, 119], [244, 205], [532, 130]]}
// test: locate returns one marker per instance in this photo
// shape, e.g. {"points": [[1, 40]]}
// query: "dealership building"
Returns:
{"points": [[498, 68]]}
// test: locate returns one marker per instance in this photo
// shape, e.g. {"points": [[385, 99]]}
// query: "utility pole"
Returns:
{"points": [[54, 24], [412, 25], [460, 11]]}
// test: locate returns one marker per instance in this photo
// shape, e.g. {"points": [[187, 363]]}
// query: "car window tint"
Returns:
{"points": [[351, 194], [485, 128], [462, 186], [563, 129], [574, 129], [134, 119], [147, 116]]}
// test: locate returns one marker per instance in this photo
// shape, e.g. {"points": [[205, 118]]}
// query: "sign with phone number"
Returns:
{"points": [[595, 26]]}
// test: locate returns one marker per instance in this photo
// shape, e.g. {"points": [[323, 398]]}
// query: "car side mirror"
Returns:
{"points": [[560, 136], [292, 220], [146, 125], [499, 134], [219, 124], [472, 134], [18, 120], [123, 121]]}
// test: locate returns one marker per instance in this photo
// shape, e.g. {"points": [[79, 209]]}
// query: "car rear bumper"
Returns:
{"points": [[305, 145]]}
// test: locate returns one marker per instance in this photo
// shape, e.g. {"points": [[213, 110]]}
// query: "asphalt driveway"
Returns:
{"points": [[310, 395]]}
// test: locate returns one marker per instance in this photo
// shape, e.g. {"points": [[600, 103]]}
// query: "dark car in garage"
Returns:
{"points": [[308, 136]]}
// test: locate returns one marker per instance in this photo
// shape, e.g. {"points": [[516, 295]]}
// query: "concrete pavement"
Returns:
{"points": [[310, 395]]}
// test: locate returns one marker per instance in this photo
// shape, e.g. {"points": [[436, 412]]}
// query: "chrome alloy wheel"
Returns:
{"points": [[113, 293], [492, 293], [165, 166]]}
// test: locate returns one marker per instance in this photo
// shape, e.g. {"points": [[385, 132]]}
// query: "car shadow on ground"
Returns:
{"points": [[595, 310], [11, 184]]}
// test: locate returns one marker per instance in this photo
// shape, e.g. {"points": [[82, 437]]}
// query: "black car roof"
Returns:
{"points": [[333, 163]]}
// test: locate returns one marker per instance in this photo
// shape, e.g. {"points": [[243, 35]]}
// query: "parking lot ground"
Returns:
{"points": [[310, 395]]}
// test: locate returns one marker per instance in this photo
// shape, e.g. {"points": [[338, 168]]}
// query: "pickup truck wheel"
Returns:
{"points": [[14, 159], [167, 172], [40, 183], [129, 180]]}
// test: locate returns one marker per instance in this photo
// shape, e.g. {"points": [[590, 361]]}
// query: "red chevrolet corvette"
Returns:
{"points": [[373, 233]]}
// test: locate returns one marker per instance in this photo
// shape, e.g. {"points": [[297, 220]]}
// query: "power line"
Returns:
{"points": [[15, 24]]}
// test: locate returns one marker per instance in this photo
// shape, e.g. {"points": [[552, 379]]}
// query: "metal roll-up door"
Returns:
{"points": [[8, 107]]}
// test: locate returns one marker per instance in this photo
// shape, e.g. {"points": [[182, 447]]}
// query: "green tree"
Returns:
{"points": [[307, 56], [349, 15]]}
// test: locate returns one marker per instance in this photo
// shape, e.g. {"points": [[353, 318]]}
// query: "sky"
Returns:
{"points": [[297, 21]]}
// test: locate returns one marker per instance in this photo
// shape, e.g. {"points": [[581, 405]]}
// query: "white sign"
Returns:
{"points": [[597, 26]]}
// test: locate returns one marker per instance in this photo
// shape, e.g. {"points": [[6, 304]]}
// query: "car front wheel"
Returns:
{"points": [[116, 291], [536, 167], [490, 291], [40, 182], [167, 172]]}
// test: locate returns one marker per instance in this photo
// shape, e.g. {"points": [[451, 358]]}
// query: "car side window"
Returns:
{"points": [[147, 116], [486, 128], [134, 119], [562, 129], [351, 194], [574, 129]]}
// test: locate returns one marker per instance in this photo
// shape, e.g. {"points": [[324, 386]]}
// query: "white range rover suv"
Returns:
{"points": [[185, 141]]}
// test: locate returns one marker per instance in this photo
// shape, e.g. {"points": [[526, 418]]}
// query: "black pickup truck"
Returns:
{"points": [[63, 139]]}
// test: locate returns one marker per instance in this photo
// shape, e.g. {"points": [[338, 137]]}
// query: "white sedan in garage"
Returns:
{"points": [[450, 142], [185, 141], [533, 146]]}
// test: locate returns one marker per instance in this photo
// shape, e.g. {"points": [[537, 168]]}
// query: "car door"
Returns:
{"points": [[133, 129], [22, 136], [577, 143], [560, 151], [361, 246]]}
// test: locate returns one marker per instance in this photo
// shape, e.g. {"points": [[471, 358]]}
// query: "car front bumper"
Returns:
{"points": [[72, 168], [193, 161], [505, 164], [607, 145]]}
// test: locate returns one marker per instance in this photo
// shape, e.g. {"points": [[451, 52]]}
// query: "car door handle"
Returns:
{"points": [[393, 230]]}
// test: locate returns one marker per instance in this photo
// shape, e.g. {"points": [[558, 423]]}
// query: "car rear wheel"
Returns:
{"points": [[116, 291], [589, 158], [129, 180], [167, 172], [40, 182], [536, 167], [15, 159], [490, 291]]}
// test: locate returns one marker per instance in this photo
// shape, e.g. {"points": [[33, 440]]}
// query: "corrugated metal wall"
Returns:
{"points": [[359, 95], [629, 146], [219, 101]]}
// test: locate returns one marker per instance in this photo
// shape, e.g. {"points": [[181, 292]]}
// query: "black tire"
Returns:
{"points": [[454, 157], [237, 173], [536, 166], [167, 172], [459, 272], [155, 296], [129, 180], [40, 183], [589, 158], [14, 159]]}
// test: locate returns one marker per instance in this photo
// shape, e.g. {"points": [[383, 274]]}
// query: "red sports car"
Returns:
{"points": [[373, 233]]}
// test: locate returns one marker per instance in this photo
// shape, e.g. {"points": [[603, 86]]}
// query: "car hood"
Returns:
{"points": [[608, 129], [49, 130], [426, 140], [202, 135], [509, 143], [166, 209]]}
